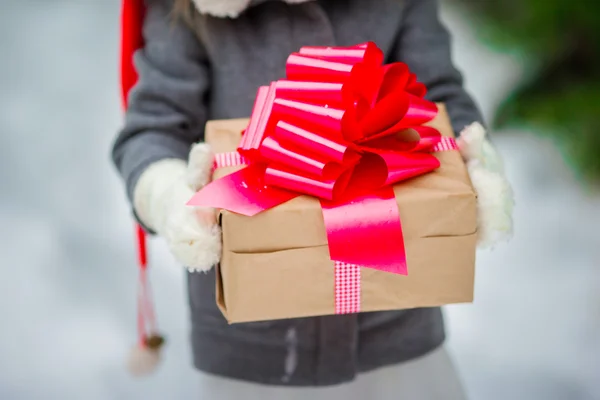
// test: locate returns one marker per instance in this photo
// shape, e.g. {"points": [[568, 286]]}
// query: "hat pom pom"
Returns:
{"points": [[145, 357]]}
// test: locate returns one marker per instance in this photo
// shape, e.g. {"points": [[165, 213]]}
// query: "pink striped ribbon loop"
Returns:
{"points": [[347, 276], [446, 144], [230, 159]]}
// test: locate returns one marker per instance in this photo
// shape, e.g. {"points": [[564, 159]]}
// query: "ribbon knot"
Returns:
{"points": [[338, 116]]}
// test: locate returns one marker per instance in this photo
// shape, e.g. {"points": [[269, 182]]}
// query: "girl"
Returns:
{"points": [[204, 59]]}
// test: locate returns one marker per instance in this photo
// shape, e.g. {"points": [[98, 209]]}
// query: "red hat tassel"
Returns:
{"points": [[145, 356]]}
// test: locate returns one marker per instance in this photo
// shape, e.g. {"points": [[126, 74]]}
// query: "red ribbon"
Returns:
{"points": [[344, 128]]}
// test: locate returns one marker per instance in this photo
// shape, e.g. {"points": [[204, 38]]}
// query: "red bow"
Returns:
{"points": [[344, 128]]}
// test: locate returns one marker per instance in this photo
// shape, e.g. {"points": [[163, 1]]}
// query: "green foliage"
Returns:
{"points": [[561, 39]]}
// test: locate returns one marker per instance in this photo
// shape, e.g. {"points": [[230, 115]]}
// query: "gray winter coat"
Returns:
{"points": [[211, 71]]}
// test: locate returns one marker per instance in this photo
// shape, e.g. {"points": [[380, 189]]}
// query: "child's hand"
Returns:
{"points": [[160, 198]]}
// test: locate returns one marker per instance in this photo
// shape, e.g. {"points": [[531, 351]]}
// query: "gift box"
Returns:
{"points": [[344, 192], [276, 264]]}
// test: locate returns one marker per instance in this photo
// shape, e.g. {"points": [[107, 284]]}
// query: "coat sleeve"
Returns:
{"points": [[424, 45], [166, 107]]}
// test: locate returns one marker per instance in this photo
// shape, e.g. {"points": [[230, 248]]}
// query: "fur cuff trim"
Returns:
{"points": [[494, 194], [229, 8]]}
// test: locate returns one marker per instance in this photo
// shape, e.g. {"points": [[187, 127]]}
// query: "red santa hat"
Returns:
{"points": [[145, 355]]}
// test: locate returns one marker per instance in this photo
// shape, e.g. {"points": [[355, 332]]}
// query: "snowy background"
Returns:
{"points": [[67, 262]]}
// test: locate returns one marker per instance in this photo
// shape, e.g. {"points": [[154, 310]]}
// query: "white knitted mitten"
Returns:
{"points": [[160, 198], [495, 196]]}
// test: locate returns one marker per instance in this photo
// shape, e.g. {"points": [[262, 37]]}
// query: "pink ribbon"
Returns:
{"points": [[344, 128]]}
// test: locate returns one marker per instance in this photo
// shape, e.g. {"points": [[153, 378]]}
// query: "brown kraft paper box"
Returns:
{"points": [[276, 264]]}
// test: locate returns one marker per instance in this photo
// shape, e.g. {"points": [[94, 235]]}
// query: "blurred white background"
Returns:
{"points": [[68, 272]]}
